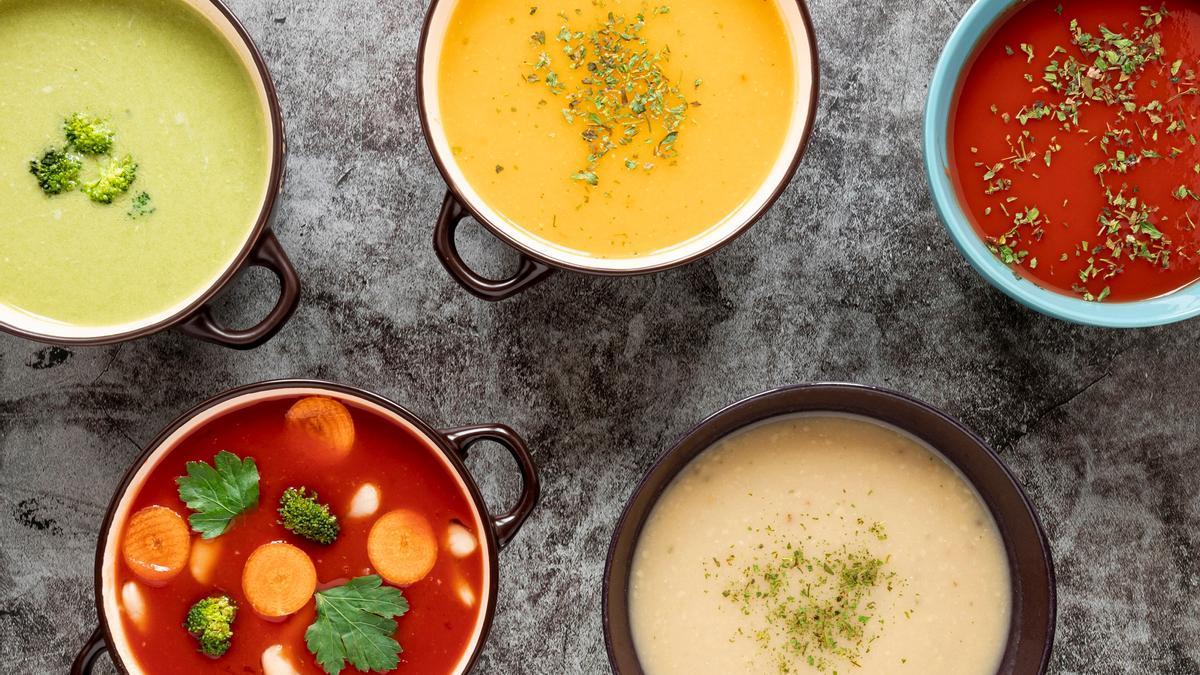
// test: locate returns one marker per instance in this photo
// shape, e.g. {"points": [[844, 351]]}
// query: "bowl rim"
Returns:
{"points": [[435, 438], [780, 402], [500, 231], [976, 25], [278, 152]]}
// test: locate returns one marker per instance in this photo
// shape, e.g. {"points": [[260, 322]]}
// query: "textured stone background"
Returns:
{"points": [[850, 277]]}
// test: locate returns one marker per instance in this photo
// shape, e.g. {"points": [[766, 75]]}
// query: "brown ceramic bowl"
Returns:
{"points": [[451, 444], [1031, 632], [539, 259], [261, 248]]}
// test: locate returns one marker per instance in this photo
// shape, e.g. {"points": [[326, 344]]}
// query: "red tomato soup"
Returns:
{"points": [[444, 604], [1074, 145]]}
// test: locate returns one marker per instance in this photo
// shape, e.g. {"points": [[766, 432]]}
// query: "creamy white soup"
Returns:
{"points": [[820, 544]]}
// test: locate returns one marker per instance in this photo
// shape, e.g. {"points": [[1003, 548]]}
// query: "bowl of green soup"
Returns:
{"points": [[141, 159]]}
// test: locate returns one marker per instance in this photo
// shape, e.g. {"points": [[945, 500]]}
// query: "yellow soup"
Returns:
{"points": [[618, 128]]}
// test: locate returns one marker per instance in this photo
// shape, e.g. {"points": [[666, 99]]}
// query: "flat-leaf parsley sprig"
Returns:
{"points": [[355, 623], [219, 493]]}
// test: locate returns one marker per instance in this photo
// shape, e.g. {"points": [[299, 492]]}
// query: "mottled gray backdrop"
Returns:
{"points": [[850, 277]]}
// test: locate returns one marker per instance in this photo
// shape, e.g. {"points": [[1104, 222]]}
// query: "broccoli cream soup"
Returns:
{"points": [[133, 159], [620, 128], [820, 543]]}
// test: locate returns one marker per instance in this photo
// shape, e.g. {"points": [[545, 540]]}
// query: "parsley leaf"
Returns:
{"points": [[588, 177], [355, 623], [218, 495]]}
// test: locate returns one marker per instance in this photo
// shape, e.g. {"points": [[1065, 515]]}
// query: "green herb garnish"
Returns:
{"points": [[141, 206], [814, 608], [1100, 69], [588, 177], [218, 494], [613, 85], [355, 623]]}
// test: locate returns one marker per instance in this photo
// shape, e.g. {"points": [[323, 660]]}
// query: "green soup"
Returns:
{"points": [[181, 103]]}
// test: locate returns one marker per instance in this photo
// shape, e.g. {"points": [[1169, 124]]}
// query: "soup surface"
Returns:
{"points": [[182, 106], [820, 544], [443, 607], [1073, 145], [617, 161]]}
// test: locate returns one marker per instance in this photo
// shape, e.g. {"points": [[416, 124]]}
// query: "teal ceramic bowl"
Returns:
{"points": [[975, 26]]}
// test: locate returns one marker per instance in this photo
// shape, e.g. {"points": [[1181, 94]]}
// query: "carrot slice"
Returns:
{"points": [[156, 545], [278, 580], [402, 547], [324, 421]]}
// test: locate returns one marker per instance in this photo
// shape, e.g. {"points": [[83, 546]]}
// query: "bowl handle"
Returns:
{"points": [[529, 273], [267, 253], [92, 649], [506, 525]]}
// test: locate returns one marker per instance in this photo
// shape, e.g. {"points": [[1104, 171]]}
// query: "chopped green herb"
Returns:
{"points": [[141, 206], [617, 86], [809, 606], [1098, 69], [588, 177], [1183, 192]]}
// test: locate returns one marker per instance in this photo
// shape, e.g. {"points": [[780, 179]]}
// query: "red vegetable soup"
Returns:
{"points": [[1074, 145], [383, 497]]}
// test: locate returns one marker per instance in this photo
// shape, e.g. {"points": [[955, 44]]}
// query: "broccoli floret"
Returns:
{"points": [[89, 134], [141, 206], [57, 171], [307, 517], [211, 622], [113, 182]]}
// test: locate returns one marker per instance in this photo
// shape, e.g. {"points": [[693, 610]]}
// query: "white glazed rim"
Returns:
{"points": [[800, 29], [110, 594], [45, 328]]}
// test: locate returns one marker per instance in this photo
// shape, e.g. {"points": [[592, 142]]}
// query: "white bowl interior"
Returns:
{"points": [[53, 328], [111, 594], [802, 48]]}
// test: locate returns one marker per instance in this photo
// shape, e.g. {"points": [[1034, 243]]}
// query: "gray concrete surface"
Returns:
{"points": [[850, 277]]}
